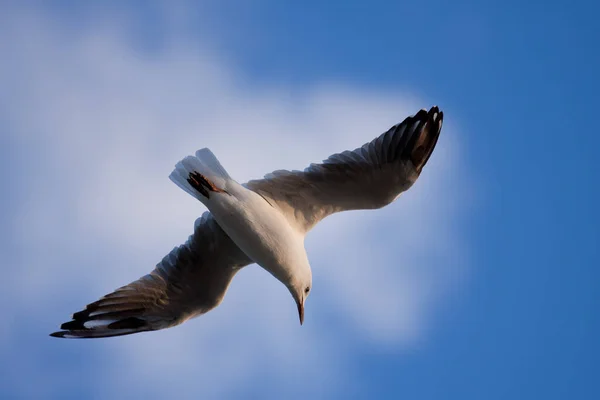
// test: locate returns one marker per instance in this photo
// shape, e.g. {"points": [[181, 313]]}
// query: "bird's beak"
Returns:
{"points": [[301, 311]]}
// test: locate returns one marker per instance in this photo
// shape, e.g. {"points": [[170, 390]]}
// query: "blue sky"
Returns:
{"points": [[480, 282]]}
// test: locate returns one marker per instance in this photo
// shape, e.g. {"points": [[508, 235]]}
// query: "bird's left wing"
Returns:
{"points": [[191, 280]]}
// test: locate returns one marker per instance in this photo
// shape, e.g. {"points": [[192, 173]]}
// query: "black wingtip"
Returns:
{"points": [[421, 145], [67, 328], [72, 326], [77, 330]]}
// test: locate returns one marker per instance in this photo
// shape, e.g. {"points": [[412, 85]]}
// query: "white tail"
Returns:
{"points": [[204, 163]]}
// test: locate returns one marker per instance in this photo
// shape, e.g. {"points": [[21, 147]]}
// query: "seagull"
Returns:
{"points": [[263, 221]]}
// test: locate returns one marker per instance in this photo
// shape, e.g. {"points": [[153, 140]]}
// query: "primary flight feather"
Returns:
{"points": [[263, 221]]}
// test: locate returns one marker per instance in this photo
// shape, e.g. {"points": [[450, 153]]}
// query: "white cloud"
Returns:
{"points": [[99, 128]]}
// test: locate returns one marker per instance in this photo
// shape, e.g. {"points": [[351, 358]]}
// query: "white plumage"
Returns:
{"points": [[262, 221]]}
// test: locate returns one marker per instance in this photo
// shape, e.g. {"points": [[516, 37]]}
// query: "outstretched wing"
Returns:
{"points": [[369, 177], [191, 280]]}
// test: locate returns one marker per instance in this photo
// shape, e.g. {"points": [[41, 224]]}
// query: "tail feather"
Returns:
{"points": [[181, 173], [199, 173], [212, 163]]}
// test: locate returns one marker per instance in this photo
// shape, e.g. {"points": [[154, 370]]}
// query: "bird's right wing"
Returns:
{"points": [[368, 177], [191, 280]]}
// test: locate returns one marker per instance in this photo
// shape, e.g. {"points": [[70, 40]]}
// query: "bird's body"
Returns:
{"points": [[260, 230], [263, 221]]}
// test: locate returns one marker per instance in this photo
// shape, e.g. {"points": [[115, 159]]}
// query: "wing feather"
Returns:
{"points": [[189, 281], [369, 177]]}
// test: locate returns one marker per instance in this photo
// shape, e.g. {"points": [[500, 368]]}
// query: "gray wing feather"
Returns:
{"points": [[369, 177], [189, 281]]}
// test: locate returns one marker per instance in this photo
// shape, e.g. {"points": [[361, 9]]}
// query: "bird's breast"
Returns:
{"points": [[259, 230]]}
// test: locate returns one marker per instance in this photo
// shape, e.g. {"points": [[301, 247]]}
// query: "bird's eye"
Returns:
{"points": [[307, 290]]}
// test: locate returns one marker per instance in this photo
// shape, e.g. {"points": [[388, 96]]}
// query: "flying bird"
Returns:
{"points": [[263, 221]]}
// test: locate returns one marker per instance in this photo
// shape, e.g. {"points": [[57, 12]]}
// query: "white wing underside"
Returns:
{"points": [[194, 277]]}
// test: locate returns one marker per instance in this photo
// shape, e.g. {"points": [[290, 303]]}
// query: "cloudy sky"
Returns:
{"points": [[480, 282]]}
